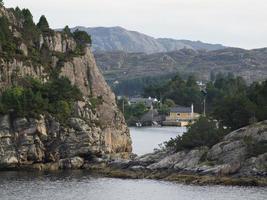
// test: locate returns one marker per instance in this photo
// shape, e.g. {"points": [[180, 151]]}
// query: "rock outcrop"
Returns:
{"points": [[241, 153], [92, 131]]}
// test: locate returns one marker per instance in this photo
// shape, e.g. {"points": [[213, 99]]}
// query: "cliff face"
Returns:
{"points": [[92, 130]]}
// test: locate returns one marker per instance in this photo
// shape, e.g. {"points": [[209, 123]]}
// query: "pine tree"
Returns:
{"points": [[67, 31], [43, 24]]}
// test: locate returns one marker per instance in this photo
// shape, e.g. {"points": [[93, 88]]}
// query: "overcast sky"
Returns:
{"points": [[238, 23]]}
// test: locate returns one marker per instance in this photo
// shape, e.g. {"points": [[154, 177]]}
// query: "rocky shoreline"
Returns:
{"points": [[125, 169], [239, 159]]}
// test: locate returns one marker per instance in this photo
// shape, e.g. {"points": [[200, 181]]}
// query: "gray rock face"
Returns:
{"points": [[99, 130], [227, 152], [169, 161], [71, 163], [28, 141], [191, 159], [232, 156]]}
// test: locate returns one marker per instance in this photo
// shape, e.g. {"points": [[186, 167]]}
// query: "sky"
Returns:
{"points": [[236, 23]]}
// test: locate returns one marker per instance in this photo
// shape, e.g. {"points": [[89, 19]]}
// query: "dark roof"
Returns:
{"points": [[147, 101], [181, 109]]}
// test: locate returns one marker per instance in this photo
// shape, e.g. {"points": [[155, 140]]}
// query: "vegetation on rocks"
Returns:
{"points": [[31, 98], [32, 36], [255, 148], [202, 133]]}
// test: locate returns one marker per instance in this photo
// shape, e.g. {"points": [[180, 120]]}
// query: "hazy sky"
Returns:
{"points": [[239, 23]]}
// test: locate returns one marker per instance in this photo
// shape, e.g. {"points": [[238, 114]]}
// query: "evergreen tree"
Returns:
{"points": [[82, 38], [67, 31], [43, 24], [1, 2], [30, 31]]}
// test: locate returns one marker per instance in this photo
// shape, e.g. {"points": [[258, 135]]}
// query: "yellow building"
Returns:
{"points": [[181, 116]]}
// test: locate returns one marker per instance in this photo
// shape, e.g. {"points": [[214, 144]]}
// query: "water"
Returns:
{"points": [[81, 185], [146, 139]]}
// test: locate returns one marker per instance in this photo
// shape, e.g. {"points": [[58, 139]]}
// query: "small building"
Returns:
{"points": [[181, 116], [148, 102]]}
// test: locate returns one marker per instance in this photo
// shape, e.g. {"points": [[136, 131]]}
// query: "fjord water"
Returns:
{"points": [[146, 139], [81, 185]]}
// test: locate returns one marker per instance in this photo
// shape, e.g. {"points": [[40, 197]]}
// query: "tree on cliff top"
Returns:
{"points": [[1, 2], [43, 24], [82, 37], [67, 31]]}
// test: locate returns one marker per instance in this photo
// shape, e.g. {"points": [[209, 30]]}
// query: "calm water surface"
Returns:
{"points": [[77, 185], [146, 139], [80, 185]]}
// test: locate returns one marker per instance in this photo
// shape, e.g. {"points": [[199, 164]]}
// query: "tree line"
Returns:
{"points": [[228, 98]]}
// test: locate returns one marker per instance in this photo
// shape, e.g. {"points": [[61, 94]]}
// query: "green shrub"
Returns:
{"points": [[255, 148], [96, 101], [202, 133], [82, 39], [32, 98]]}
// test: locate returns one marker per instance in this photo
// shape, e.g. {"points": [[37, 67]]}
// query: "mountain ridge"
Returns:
{"points": [[120, 39], [249, 64]]}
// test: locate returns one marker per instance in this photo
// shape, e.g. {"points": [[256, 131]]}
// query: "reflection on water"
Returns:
{"points": [[79, 185], [146, 139]]}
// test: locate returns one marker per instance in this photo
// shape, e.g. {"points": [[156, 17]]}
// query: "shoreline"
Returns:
{"points": [[175, 176], [105, 170]]}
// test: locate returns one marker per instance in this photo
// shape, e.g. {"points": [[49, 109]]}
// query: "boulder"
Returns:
{"points": [[168, 162], [228, 151], [71, 163], [191, 159]]}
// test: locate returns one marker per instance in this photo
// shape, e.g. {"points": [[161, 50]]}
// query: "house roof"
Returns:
{"points": [[181, 109], [146, 101]]}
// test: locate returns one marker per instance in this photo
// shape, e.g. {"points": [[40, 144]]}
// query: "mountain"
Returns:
{"points": [[249, 64], [120, 39], [56, 110]]}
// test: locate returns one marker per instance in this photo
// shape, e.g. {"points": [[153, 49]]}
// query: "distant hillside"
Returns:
{"points": [[120, 39], [250, 64]]}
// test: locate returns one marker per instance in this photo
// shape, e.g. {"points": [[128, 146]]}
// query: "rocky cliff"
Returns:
{"points": [[93, 130]]}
